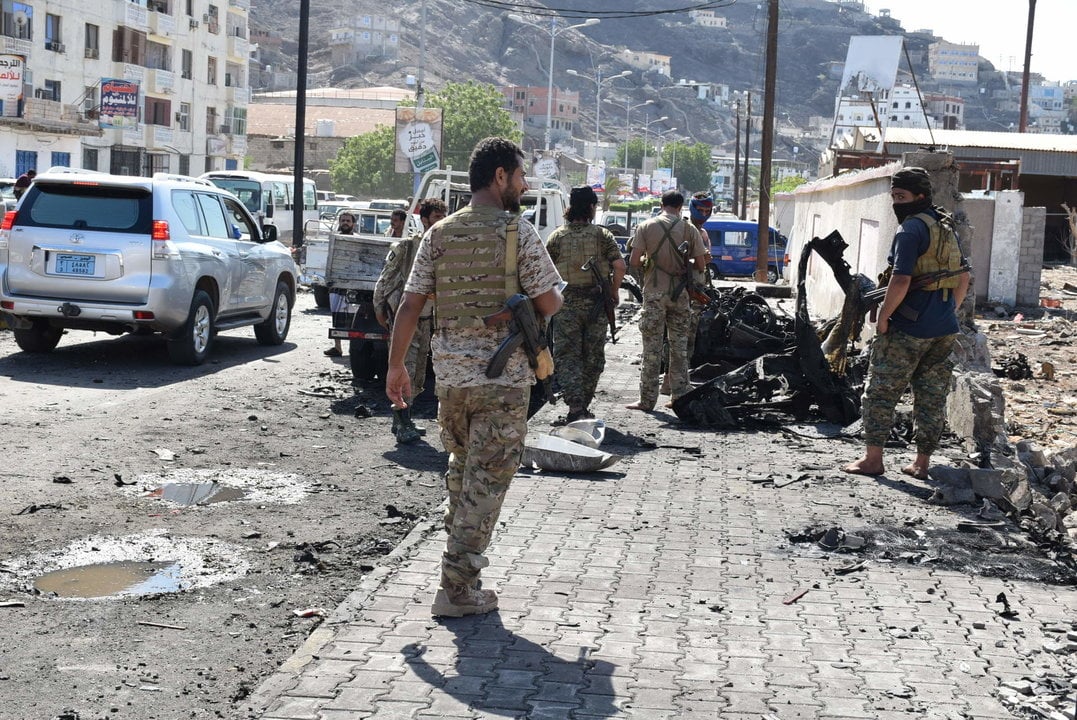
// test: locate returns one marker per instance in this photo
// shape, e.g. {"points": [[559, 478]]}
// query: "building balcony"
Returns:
{"points": [[55, 116], [238, 95], [15, 46], [239, 47], [240, 4], [162, 25], [162, 82], [158, 136]]}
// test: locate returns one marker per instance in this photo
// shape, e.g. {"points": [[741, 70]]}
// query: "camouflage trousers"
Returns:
{"points": [[579, 348], [663, 317], [418, 357], [898, 360], [483, 429]]}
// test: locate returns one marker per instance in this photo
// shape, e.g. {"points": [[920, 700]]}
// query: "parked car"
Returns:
{"points": [[168, 254], [734, 248], [7, 193]]}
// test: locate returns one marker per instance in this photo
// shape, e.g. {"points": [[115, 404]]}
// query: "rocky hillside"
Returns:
{"points": [[469, 40]]}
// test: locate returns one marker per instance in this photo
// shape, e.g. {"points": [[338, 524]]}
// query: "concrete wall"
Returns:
{"points": [[1005, 248], [1030, 270], [979, 221]]}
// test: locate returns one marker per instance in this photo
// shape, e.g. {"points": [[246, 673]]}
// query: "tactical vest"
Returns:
{"points": [[579, 243], [943, 253], [469, 282], [667, 229]]}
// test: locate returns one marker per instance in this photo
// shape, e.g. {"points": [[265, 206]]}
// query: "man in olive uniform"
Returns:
{"points": [[915, 326], [665, 240], [579, 329], [388, 292], [475, 259]]}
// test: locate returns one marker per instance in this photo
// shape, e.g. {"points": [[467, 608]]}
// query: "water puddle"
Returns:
{"points": [[123, 578], [203, 493], [114, 567]]}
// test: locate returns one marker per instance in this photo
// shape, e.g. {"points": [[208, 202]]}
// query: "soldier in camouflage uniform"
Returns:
{"points": [[665, 299], [469, 260], [387, 295], [579, 329], [916, 327]]}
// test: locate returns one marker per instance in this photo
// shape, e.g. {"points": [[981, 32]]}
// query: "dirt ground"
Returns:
{"points": [[98, 433], [92, 430]]}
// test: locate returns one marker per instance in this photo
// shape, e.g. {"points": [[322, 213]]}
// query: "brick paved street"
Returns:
{"points": [[656, 589]]}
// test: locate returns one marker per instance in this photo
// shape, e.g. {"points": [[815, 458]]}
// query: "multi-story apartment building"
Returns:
{"points": [[365, 36], [125, 86], [646, 61], [529, 104], [708, 19], [953, 62]]}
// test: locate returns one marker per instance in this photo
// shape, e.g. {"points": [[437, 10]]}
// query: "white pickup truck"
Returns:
{"points": [[354, 263]]}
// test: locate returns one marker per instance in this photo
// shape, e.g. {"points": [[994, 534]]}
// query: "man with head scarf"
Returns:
{"points": [[916, 326], [579, 328]]}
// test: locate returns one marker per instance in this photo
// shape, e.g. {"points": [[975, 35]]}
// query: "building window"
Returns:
{"points": [[158, 112], [184, 164], [183, 117], [186, 62], [93, 41], [157, 162], [53, 37], [236, 119], [158, 57], [211, 19], [89, 158], [61, 159], [211, 71], [160, 6], [18, 20], [190, 8], [211, 121], [52, 90], [208, 164], [128, 46]]}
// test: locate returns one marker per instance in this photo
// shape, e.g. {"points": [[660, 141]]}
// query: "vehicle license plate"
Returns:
{"points": [[75, 264]]}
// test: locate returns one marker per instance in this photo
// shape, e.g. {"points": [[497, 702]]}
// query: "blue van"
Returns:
{"points": [[734, 245]]}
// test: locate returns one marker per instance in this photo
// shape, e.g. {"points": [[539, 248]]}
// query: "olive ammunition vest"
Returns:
{"points": [[943, 253], [579, 242], [469, 282]]}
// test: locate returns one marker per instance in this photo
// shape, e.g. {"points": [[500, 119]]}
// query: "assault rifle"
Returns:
{"points": [[606, 301], [524, 330], [870, 300], [687, 283]]}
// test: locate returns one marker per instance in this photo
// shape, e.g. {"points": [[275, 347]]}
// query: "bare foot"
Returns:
{"points": [[920, 473], [639, 405], [861, 467]]}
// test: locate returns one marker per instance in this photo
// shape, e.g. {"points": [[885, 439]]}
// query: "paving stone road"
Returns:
{"points": [[664, 588]]}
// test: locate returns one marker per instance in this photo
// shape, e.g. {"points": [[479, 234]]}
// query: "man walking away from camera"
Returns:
{"points": [[579, 329], [916, 326], [388, 292], [475, 259], [669, 244]]}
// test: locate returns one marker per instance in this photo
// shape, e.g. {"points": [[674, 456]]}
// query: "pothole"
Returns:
{"points": [[106, 568], [113, 578], [208, 486]]}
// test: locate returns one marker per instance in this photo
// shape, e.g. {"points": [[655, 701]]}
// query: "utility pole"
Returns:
{"points": [[747, 152], [1023, 127], [762, 256], [298, 198], [736, 162]]}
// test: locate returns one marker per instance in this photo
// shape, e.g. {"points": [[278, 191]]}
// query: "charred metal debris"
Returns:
{"points": [[757, 367]]}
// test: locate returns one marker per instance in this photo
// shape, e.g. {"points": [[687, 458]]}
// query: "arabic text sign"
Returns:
{"points": [[119, 103], [11, 68], [418, 139]]}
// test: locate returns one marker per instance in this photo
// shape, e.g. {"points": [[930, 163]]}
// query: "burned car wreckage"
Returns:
{"points": [[755, 363]]}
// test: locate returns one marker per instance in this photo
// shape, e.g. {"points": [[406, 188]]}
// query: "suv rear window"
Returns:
{"points": [[81, 207]]}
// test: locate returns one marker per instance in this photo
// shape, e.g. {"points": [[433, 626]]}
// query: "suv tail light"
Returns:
{"points": [[5, 228], [161, 240]]}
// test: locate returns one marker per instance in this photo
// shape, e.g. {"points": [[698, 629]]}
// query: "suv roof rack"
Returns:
{"points": [[181, 178]]}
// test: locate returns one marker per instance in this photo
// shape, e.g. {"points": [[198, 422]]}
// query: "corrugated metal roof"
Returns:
{"points": [[979, 139], [278, 119]]}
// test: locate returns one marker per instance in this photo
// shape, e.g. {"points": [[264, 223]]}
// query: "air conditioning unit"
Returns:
{"points": [[228, 79], [226, 129], [205, 17], [55, 46], [92, 53], [193, 23], [42, 94]]}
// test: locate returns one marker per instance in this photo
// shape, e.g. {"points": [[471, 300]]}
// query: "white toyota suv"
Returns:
{"points": [[169, 254]]}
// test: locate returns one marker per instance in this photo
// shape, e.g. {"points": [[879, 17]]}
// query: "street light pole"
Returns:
{"points": [[554, 32], [646, 129], [598, 81], [628, 127]]}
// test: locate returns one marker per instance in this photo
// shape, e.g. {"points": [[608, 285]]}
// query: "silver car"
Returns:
{"points": [[169, 254]]}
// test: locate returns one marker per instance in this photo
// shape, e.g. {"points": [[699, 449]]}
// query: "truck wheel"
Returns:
{"points": [[274, 329], [321, 296], [191, 343], [41, 338], [772, 274]]}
